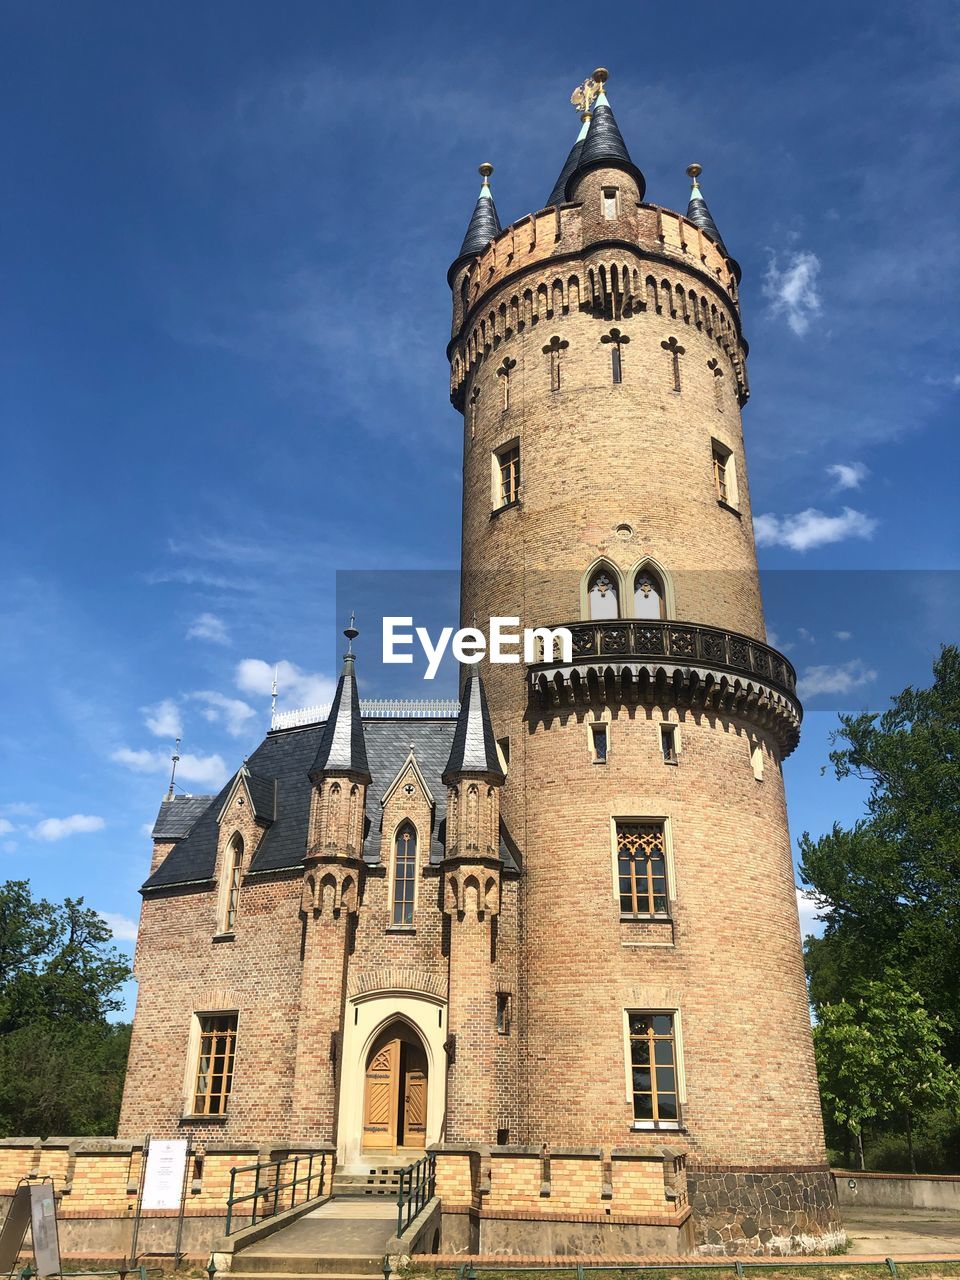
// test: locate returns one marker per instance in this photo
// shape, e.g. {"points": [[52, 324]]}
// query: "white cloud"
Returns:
{"points": [[847, 475], [811, 528], [122, 927], [163, 720], [807, 636], [6, 826], [840, 679], [810, 922], [207, 771], [792, 289], [296, 688], [233, 713], [208, 627], [60, 828], [843, 635]]}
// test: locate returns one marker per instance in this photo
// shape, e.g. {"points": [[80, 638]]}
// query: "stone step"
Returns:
{"points": [[268, 1266], [282, 1275], [365, 1184]]}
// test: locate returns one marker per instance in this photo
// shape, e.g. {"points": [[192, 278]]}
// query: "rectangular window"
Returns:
{"points": [[616, 362], [503, 746], [218, 1036], [404, 874], [599, 743], [724, 474], [507, 475], [653, 1071], [756, 760], [610, 202], [504, 1012], [642, 869], [668, 743]]}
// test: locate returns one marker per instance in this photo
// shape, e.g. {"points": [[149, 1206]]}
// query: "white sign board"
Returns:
{"points": [[43, 1221], [163, 1182]]}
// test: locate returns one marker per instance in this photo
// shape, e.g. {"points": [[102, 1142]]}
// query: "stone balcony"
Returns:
{"points": [[667, 662]]}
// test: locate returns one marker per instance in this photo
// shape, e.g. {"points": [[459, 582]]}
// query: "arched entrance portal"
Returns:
{"points": [[395, 1091]]}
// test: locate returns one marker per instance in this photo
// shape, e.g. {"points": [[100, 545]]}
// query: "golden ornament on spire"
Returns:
{"points": [[585, 95], [694, 171]]}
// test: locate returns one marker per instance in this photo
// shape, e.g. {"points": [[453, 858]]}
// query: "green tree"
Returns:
{"points": [[880, 1058], [889, 888], [61, 1060]]}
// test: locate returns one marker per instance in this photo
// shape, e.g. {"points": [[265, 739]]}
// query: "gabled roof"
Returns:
{"points": [[604, 148], [474, 748], [409, 765], [262, 793], [484, 224], [342, 748]]}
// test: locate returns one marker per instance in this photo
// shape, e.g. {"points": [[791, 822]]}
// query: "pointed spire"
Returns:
{"points": [[342, 747], [557, 195], [604, 147], [484, 225], [700, 215], [474, 748]]}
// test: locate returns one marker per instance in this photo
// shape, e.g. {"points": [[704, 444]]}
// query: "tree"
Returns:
{"points": [[881, 1057], [888, 889], [61, 1059]]}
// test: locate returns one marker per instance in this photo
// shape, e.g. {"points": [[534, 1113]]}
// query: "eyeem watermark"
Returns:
{"points": [[470, 644]]}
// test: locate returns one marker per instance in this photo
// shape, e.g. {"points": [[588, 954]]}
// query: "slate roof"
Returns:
{"points": [[558, 194], [342, 748], [263, 796], [287, 757], [474, 748], [178, 814], [699, 214], [604, 148], [483, 227]]}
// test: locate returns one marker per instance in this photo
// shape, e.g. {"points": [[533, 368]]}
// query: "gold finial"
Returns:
{"points": [[601, 75], [485, 171], [584, 96], [693, 173]]}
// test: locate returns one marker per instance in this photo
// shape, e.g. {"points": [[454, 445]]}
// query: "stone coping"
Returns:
{"points": [[879, 1175], [567, 1262]]}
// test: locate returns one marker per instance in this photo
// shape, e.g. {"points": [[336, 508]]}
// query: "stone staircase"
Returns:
{"points": [[382, 1180]]}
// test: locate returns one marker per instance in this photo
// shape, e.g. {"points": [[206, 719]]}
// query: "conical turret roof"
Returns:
{"points": [[557, 195], [342, 747], [699, 214], [474, 748], [604, 147], [484, 225]]}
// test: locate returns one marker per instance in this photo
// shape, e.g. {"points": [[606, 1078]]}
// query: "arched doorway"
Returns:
{"points": [[395, 1091]]}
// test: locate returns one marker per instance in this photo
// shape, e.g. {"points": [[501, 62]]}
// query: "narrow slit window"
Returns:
{"points": [[668, 743], [653, 1071], [599, 743], [616, 364], [642, 869], [218, 1036], [404, 874], [234, 876], [504, 1012]]}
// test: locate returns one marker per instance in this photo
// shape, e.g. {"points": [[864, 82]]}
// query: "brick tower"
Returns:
{"points": [[599, 362]]}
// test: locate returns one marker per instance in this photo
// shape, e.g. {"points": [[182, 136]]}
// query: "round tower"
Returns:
{"points": [[598, 359]]}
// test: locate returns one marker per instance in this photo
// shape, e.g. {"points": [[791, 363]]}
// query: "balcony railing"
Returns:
{"points": [[688, 644]]}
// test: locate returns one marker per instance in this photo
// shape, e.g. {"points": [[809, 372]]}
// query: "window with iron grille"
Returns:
{"points": [[508, 463], [404, 874], [653, 1070], [218, 1038], [642, 869]]}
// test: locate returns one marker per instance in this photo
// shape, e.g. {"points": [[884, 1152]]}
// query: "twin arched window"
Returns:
{"points": [[605, 588]]}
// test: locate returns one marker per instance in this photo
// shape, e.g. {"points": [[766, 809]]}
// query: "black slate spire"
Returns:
{"points": [[484, 225], [557, 195], [342, 747], [604, 147], [700, 216], [474, 748]]}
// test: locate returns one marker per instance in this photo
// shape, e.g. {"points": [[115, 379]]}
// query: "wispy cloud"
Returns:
{"points": [[208, 627], [811, 528], [6, 826], [847, 475], [843, 635], [164, 720], [233, 713], [840, 679], [122, 927], [205, 771], [295, 687], [60, 828], [792, 289]]}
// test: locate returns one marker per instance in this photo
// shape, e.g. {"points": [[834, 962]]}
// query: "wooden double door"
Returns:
{"points": [[395, 1092]]}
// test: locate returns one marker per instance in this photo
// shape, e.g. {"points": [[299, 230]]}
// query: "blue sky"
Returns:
{"points": [[222, 374]]}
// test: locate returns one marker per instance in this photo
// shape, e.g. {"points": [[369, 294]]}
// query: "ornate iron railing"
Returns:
{"points": [[373, 708], [269, 1195], [418, 1184], [683, 642]]}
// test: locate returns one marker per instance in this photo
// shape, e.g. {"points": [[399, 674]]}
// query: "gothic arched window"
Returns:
{"points": [[648, 594], [234, 872], [603, 594], [404, 873]]}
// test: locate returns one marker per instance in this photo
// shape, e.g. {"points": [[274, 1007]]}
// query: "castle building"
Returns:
{"points": [[551, 935]]}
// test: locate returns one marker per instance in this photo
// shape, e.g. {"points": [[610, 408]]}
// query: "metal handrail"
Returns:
{"points": [[270, 1192], [418, 1184]]}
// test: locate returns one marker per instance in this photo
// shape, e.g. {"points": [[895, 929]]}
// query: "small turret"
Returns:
{"points": [[603, 146], [700, 216], [484, 225], [342, 748], [474, 749]]}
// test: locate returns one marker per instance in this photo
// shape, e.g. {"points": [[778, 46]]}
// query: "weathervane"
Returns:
{"points": [[175, 760], [586, 94]]}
